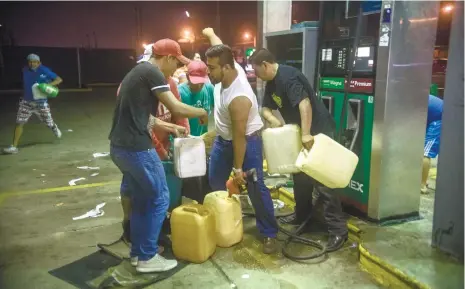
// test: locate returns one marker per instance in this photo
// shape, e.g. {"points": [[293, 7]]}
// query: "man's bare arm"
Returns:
{"points": [[165, 126], [180, 109], [56, 81], [239, 110], [268, 115], [210, 34], [305, 108]]}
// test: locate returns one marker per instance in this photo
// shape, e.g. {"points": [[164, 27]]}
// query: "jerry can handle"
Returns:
{"points": [[190, 209]]}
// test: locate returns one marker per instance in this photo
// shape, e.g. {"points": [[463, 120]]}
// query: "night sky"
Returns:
{"points": [[113, 24]]}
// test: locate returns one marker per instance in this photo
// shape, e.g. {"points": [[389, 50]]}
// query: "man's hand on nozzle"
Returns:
{"points": [[208, 32]]}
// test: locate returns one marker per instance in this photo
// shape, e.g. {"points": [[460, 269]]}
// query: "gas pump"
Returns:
{"points": [[336, 43]]}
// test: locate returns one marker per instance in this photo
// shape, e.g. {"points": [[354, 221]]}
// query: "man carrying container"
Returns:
{"points": [[238, 145], [35, 73], [289, 91], [131, 150]]}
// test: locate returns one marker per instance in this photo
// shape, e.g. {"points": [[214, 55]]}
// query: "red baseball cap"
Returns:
{"points": [[167, 47], [198, 72]]}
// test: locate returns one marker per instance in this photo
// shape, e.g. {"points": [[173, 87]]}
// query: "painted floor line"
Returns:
{"points": [[5, 195]]}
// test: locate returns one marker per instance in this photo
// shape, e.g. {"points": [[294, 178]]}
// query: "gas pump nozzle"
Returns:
{"points": [[234, 189]]}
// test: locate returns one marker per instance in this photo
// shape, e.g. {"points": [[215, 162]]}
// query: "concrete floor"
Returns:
{"points": [[38, 234]]}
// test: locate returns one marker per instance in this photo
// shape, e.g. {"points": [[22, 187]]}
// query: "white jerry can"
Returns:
{"points": [[189, 157], [282, 146], [328, 162]]}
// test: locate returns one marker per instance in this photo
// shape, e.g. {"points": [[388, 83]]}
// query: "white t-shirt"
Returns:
{"points": [[223, 97]]}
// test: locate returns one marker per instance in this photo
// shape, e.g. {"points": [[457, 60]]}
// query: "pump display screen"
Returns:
{"points": [[364, 60]]}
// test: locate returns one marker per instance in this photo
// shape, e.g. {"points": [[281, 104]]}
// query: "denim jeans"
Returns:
{"points": [[144, 182], [221, 163]]}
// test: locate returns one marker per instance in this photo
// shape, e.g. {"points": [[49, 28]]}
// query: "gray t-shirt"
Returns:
{"points": [[136, 100]]}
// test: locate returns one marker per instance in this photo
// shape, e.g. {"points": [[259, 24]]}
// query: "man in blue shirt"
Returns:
{"points": [[432, 138], [34, 73]]}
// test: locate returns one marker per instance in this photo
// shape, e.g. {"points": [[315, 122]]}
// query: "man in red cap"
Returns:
{"points": [[144, 180], [160, 136], [197, 92]]}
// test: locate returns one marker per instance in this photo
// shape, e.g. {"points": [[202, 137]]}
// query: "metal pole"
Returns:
{"points": [[79, 67]]}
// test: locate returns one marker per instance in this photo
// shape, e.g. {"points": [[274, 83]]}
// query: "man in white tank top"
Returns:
{"points": [[238, 145]]}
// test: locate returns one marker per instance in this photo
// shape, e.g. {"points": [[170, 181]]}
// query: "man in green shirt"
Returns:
{"points": [[197, 92]]}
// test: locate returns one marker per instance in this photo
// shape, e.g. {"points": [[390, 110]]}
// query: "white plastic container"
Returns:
{"points": [[36, 93], [282, 146], [228, 216], [189, 157], [328, 162]]}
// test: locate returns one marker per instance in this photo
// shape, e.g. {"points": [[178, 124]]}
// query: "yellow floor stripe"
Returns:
{"points": [[5, 195]]}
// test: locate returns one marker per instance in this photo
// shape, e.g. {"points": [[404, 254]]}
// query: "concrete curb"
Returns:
{"points": [[386, 274], [381, 271]]}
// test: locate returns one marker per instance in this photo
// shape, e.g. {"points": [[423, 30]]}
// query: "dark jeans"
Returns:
{"points": [[221, 163], [333, 214], [144, 181]]}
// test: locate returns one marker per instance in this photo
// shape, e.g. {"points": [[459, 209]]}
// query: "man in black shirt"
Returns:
{"points": [[289, 91], [131, 149]]}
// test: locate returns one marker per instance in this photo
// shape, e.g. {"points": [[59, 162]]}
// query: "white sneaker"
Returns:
{"points": [[11, 150], [57, 132], [156, 264], [134, 261]]}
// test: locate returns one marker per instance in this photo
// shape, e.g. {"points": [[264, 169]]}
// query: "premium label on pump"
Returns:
{"points": [[363, 85], [336, 83]]}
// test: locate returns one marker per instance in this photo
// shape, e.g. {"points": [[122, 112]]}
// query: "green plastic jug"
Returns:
{"points": [[49, 90]]}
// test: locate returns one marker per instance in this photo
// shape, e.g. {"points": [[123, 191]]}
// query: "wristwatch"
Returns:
{"points": [[237, 171]]}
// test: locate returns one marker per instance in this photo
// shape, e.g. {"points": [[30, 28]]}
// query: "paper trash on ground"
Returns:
{"points": [[94, 175], [73, 182], [89, 168], [99, 155], [94, 213]]}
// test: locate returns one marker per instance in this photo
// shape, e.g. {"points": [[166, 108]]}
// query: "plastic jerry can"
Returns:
{"points": [[193, 234], [228, 216], [49, 90], [190, 159], [328, 162], [282, 146]]}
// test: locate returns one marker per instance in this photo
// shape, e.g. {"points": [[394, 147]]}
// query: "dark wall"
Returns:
{"points": [[97, 65]]}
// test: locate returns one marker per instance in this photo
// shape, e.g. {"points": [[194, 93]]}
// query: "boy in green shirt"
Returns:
{"points": [[197, 92]]}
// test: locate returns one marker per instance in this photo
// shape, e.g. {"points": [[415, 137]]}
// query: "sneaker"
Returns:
{"points": [[424, 190], [134, 261], [11, 150], [156, 264], [57, 132]]}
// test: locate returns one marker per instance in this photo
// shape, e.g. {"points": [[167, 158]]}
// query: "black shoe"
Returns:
{"points": [[126, 231], [335, 243]]}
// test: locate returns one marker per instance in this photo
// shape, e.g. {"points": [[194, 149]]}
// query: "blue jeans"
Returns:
{"points": [[221, 163], [144, 181]]}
